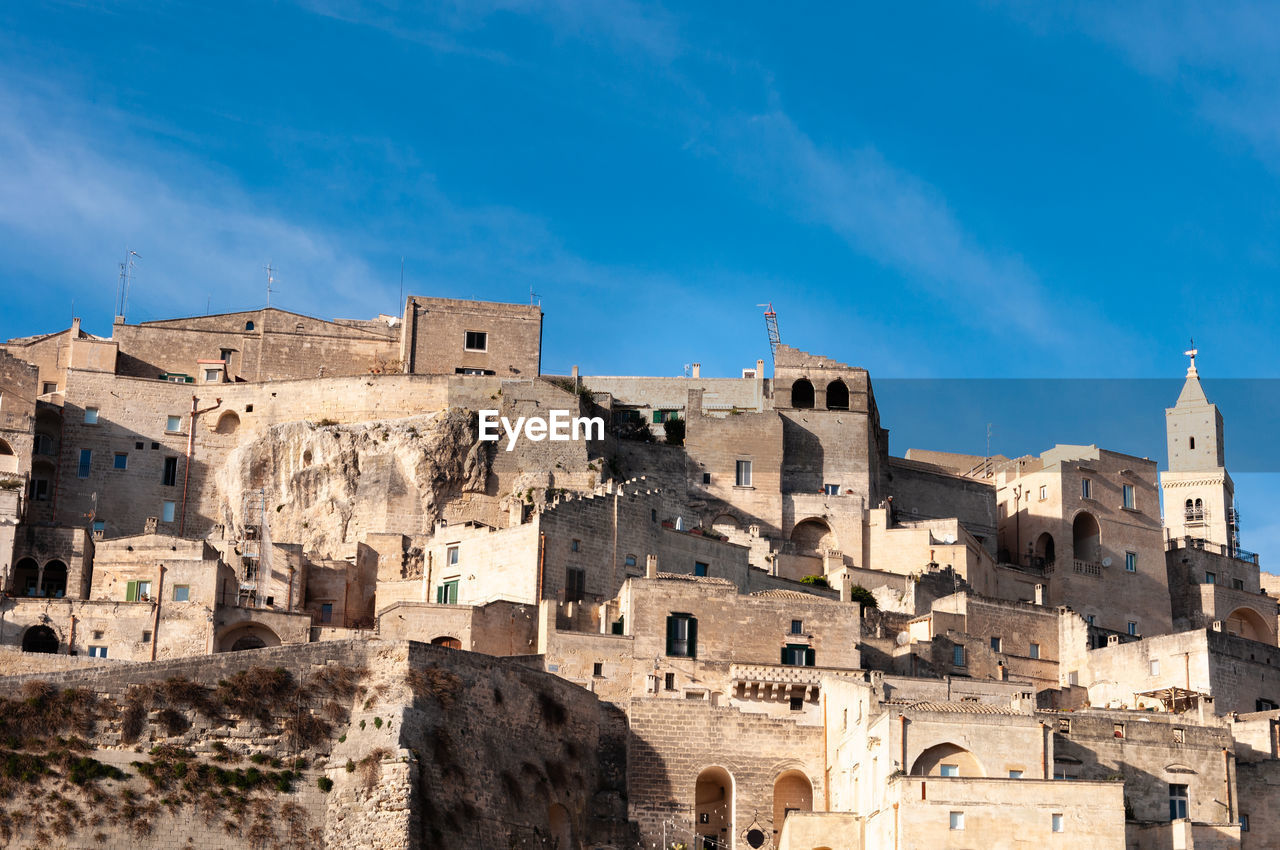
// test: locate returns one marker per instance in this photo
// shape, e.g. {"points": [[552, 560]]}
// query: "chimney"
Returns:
{"points": [[759, 369], [1039, 594], [574, 373], [846, 588], [697, 370], [651, 566], [75, 328]]}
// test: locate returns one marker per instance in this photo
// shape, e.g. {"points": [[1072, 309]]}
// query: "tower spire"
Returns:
{"points": [[1192, 352]]}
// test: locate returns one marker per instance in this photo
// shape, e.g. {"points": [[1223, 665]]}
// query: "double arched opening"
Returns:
{"points": [[32, 580], [947, 760], [805, 397]]}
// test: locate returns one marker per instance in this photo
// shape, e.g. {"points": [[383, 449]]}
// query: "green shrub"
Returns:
{"points": [[325, 784], [816, 581]]}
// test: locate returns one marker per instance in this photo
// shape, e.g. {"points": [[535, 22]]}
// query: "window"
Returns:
{"points": [[43, 444], [1209, 578], [573, 547], [137, 591], [957, 820], [1055, 822], [669, 681], [1237, 584], [248, 326], [743, 477], [97, 652], [844, 718], [682, 636], [326, 608], [1073, 678], [630, 560], [1044, 492], [797, 627], [706, 478], [212, 375], [1034, 650], [1015, 774], [1177, 801], [1244, 823], [1130, 500], [224, 354], [40, 490], [170, 476], [597, 669], [446, 593], [49, 387], [121, 461], [155, 446], [1191, 442], [86, 456], [1265, 705], [168, 509], [995, 644], [91, 416], [1155, 666], [797, 703], [1089, 619], [699, 568], [831, 489], [139, 445], [181, 593], [1117, 730], [476, 341], [99, 527], [1132, 628], [957, 656], [1064, 726], [1131, 562], [146, 636], [950, 770], [661, 416], [173, 423], [1086, 488], [1179, 736], [798, 655], [575, 584]]}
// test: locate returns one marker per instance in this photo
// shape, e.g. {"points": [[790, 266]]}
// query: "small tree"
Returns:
{"points": [[675, 431], [863, 597]]}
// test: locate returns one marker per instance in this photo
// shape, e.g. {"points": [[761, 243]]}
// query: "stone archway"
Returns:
{"points": [[561, 827], [447, 641], [5, 448], [228, 423], [837, 395], [40, 639], [813, 536], [1248, 623], [1044, 549], [802, 395], [244, 636], [53, 580], [26, 578], [713, 809], [1086, 538], [947, 760], [792, 792]]}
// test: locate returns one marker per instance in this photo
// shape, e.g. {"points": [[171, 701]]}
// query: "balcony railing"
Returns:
{"points": [[1087, 568]]}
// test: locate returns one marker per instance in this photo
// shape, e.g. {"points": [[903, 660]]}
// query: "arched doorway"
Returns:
{"points": [[247, 636], [813, 536], [40, 639], [837, 395], [1247, 623], [228, 423], [713, 809], [561, 827], [447, 641], [802, 394], [53, 581], [26, 577], [1044, 549], [1086, 538], [5, 448], [947, 760], [792, 792]]}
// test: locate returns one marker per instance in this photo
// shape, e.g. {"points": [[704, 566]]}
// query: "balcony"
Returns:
{"points": [[1086, 568]]}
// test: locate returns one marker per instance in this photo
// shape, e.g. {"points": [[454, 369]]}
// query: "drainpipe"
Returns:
{"points": [[155, 625], [542, 560], [896, 826], [191, 447], [1044, 751], [826, 766], [902, 734], [1231, 808], [289, 598], [71, 640]]}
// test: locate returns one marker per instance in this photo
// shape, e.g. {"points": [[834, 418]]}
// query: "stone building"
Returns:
{"points": [[445, 336]]}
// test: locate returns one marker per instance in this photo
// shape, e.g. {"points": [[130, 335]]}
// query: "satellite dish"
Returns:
{"points": [[903, 639], [1106, 562], [948, 539]]}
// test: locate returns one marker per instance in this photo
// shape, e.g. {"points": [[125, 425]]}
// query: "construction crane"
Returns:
{"points": [[771, 325]]}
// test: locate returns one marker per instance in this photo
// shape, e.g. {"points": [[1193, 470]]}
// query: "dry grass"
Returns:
{"points": [[435, 682]]}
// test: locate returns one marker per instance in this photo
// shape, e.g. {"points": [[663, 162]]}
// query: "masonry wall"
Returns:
{"points": [[925, 493], [435, 337], [1259, 786]]}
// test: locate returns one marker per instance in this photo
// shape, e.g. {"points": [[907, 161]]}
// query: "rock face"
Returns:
{"points": [[328, 485]]}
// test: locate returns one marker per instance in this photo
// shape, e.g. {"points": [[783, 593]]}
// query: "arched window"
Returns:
{"points": [[1086, 538], [40, 639], [802, 394], [5, 448], [248, 326], [837, 395], [792, 792]]}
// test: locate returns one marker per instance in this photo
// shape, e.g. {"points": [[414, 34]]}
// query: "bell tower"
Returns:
{"points": [[1199, 496]]}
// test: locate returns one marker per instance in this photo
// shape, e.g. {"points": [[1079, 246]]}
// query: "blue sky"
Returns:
{"points": [[988, 190]]}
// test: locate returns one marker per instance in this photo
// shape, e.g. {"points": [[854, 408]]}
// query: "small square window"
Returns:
{"points": [[168, 510], [1210, 578], [957, 656], [248, 408], [1044, 492], [155, 446], [121, 461], [1155, 667], [831, 489], [181, 592], [700, 569], [49, 387], [1132, 628], [476, 341], [173, 424], [139, 446], [98, 651], [956, 820], [1015, 774], [950, 770], [597, 669], [573, 547], [669, 681], [1034, 650], [1055, 822], [630, 560], [1118, 730], [743, 475], [996, 643], [146, 636], [797, 703], [91, 416], [1237, 584], [97, 634], [797, 627], [1064, 726], [451, 556], [1179, 736]]}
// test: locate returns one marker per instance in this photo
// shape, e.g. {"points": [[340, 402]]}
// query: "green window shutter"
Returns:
{"points": [[671, 634], [693, 637], [657, 417], [131, 592], [810, 657], [440, 595]]}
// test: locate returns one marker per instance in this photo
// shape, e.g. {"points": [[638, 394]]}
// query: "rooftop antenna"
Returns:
{"points": [[400, 306], [533, 295], [270, 280], [771, 325], [122, 286]]}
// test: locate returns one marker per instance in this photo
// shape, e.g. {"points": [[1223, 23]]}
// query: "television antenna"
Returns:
{"points": [[126, 279], [271, 271]]}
